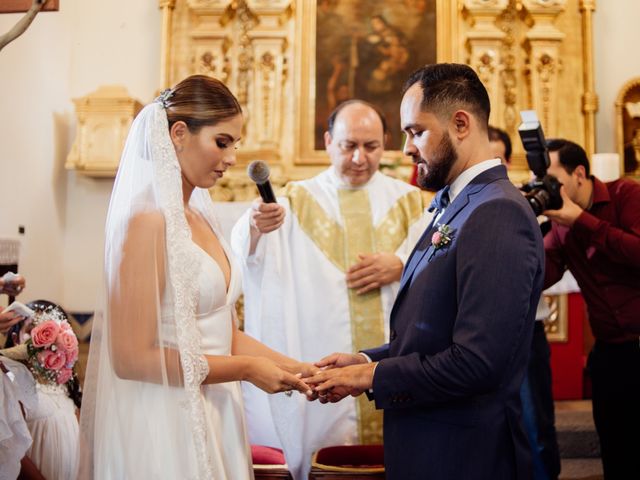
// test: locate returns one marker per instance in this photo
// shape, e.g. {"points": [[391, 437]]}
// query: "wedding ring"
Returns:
{"points": [[288, 393]]}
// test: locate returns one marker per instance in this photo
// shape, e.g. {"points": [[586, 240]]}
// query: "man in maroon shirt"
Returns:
{"points": [[596, 235]]}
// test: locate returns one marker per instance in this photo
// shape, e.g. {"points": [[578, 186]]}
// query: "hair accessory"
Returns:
{"points": [[164, 98]]}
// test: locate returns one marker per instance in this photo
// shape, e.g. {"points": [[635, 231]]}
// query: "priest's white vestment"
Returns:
{"points": [[296, 300]]}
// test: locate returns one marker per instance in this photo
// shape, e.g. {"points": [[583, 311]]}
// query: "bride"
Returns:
{"points": [[162, 393]]}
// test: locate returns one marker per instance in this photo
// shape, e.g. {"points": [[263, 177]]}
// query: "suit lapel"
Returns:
{"points": [[458, 204], [422, 248]]}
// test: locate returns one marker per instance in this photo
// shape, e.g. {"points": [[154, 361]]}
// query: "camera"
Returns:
{"points": [[543, 192]]}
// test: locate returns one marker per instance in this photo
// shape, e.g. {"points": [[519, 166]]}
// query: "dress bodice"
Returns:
{"points": [[216, 303]]}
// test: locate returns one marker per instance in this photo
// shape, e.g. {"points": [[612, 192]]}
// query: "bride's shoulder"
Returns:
{"points": [[147, 223], [147, 219]]}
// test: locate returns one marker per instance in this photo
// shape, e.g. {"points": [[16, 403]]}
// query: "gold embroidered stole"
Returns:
{"points": [[367, 322], [341, 246]]}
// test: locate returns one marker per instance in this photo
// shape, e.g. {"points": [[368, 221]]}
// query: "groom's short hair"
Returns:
{"points": [[449, 86]]}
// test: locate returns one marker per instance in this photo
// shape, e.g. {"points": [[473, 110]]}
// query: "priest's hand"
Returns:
{"points": [[266, 217], [332, 385], [374, 270]]}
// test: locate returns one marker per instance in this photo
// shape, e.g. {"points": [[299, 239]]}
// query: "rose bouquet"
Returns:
{"points": [[52, 348]]}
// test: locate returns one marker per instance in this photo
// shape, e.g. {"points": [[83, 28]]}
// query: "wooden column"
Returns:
{"points": [[167, 7], [589, 98], [484, 44]]}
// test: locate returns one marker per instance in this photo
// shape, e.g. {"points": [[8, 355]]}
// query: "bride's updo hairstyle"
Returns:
{"points": [[200, 101]]}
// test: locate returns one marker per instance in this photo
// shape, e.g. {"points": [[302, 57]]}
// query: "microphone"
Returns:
{"points": [[258, 171]]}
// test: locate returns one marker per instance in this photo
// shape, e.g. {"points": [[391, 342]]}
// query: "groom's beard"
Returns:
{"points": [[433, 175]]}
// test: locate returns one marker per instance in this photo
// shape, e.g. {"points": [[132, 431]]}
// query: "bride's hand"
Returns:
{"points": [[306, 369], [268, 376]]}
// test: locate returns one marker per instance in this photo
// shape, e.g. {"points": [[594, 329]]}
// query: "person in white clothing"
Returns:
{"points": [[321, 270], [162, 395]]}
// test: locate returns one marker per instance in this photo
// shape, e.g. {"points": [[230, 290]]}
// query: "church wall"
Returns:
{"points": [[65, 55], [616, 38], [89, 43]]}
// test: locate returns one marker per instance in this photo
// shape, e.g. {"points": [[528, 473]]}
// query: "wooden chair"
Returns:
{"points": [[352, 462], [269, 463]]}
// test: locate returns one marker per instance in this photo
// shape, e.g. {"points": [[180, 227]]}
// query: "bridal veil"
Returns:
{"points": [[142, 402]]}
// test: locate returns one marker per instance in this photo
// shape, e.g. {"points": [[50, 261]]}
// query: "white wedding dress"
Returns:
{"points": [[146, 412], [167, 439]]}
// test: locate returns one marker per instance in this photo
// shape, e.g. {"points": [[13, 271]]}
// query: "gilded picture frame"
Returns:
{"points": [[628, 127], [556, 325], [310, 124]]}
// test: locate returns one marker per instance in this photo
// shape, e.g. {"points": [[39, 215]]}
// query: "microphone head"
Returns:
{"points": [[258, 171]]}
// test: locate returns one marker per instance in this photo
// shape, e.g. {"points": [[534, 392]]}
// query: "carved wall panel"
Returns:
{"points": [[541, 61], [529, 53]]}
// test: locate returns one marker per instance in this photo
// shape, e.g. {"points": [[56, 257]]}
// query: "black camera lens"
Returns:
{"points": [[538, 198]]}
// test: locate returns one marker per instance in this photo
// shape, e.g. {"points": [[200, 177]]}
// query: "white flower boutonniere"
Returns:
{"points": [[442, 237]]}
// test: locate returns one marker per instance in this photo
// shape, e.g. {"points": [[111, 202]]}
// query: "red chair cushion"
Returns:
{"points": [[263, 455], [361, 456]]}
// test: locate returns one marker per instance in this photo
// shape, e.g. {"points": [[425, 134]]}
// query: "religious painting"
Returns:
{"points": [[366, 49]]}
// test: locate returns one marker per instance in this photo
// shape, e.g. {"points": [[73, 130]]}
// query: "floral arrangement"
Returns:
{"points": [[52, 348], [442, 236]]}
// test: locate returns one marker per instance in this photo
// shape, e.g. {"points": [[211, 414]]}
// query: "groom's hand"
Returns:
{"points": [[336, 360], [334, 384]]}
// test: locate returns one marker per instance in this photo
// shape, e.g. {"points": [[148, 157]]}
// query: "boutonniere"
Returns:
{"points": [[442, 237]]}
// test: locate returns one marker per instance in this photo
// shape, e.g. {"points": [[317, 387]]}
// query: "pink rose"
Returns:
{"points": [[66, 341], [45, 334], [71, 357], [52, 360], [64, 375], [64, 325], [436, 238]]}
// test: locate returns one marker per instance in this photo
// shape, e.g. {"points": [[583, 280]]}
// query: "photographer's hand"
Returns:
{"points": [[569, 212]]}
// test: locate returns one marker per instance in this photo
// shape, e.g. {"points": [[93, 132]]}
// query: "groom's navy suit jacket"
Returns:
{"points": [[461, 327]]}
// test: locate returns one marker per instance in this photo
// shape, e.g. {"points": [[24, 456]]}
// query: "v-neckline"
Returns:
{"points": [[215, 262], [224, 250]]}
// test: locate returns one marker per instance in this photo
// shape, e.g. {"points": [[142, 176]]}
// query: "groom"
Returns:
{"points": [[461, 326]]}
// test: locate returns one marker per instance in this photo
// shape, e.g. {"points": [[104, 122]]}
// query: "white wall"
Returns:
{"points": [[616, 37], [65, 55], [88, 43]]}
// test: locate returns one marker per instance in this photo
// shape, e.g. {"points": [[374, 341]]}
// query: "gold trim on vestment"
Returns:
{"points": [[324, 231], [367, 318], [394, 227]]}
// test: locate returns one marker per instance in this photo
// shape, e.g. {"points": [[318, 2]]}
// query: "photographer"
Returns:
{"points": [[596, 235]]}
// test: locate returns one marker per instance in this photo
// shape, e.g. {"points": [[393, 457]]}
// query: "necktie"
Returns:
{"points": [[440, 201]]}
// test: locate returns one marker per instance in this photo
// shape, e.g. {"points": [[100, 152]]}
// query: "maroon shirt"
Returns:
{"points": [[602, 251]]}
